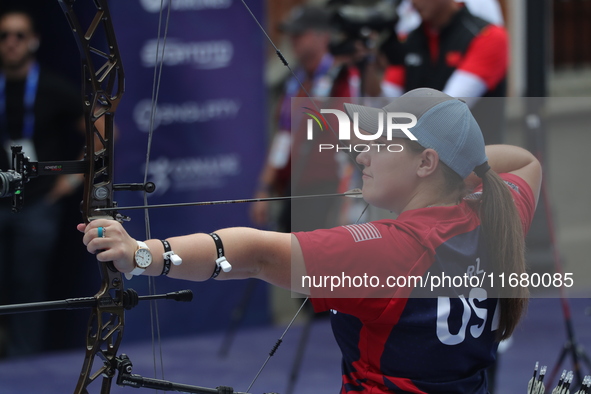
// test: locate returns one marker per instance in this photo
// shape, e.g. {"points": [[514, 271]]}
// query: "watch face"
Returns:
{"points": [[143, 258]]}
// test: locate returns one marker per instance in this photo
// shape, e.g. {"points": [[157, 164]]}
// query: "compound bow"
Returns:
{"points": [[103, 87]]}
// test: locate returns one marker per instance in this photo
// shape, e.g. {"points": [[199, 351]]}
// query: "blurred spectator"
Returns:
{"points": [[322, 75], [489, 10], [451, 50], [42, 112]]}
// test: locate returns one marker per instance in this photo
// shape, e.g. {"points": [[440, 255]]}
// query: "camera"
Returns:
{"points": [[354, 21], [10, 183]]}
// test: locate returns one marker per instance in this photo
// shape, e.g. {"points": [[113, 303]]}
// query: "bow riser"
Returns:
{"points": [[103, 86]]}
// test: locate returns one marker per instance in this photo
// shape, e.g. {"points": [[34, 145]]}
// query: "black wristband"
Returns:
{"points": [[167, 260], [221, 262]]}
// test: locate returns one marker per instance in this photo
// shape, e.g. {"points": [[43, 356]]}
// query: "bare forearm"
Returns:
{"points": [[252, 254], [515, 160], [505, 159], [508, 158]]}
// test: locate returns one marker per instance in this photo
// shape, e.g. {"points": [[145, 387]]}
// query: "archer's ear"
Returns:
{"points": [[429, 163]]}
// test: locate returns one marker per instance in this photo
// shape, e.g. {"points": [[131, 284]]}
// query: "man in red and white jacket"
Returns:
{"points": [[455, 52]]}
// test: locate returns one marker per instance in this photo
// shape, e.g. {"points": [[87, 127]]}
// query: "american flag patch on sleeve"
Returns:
{"points": [[363, 232]]}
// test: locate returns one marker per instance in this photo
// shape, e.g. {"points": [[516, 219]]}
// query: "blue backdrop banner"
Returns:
{"points": [[209, 130]]}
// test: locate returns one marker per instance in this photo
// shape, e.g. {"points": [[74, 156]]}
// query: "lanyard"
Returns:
{"points": [[293, 87], [28, 102]]}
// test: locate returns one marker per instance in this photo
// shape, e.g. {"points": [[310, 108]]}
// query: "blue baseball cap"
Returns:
{"points": [[444, 123]]}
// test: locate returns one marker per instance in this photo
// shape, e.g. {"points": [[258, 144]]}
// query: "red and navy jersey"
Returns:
{"points": [[407, 343]]}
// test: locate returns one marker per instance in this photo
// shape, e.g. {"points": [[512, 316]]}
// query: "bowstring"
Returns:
{"points": [[349, 154], [158, 65], [155, 93]]}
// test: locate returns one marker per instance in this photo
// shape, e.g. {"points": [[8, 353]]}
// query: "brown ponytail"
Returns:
{"points": [[502, 228], [503, 231]]}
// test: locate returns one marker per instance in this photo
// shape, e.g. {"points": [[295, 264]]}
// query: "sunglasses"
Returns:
{"points": [[19, 35]]}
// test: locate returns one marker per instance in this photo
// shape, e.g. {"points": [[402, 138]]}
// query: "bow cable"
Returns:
{"points": [[158, 64], [155, 92], [349, 154]]}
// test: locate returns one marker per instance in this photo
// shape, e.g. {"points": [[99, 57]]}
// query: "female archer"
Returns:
{"points": [[463, 210]]}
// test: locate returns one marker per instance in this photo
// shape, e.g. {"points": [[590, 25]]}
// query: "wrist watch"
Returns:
{"points": [[142, 258]]}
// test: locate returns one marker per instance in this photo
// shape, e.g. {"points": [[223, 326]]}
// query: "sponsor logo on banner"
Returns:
{"points": [[185, 5], [193, 173], [204, 55], [184, 113]]}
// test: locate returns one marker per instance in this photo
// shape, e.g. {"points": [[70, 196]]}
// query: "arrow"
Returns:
{"points": [[353, 193]]}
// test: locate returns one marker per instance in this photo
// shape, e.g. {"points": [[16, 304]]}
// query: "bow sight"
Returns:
{"points": [[12, 182]]}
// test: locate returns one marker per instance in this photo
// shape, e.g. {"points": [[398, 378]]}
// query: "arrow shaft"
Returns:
{"points": [[219, 202]]}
